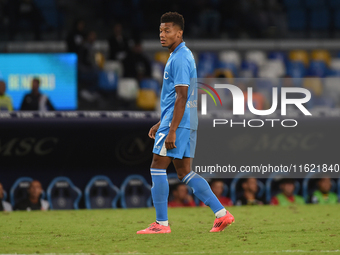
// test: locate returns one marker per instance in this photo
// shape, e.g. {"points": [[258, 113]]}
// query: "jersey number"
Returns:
{"points": [[161, 137]]}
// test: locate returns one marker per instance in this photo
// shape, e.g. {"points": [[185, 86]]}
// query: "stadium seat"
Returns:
{"points": [[308, 188], [256, 56], [228, 66], [151, 84], [108, 81], [333, 73], [320, 19], [62, 194], [296, 69], [300, 56], [146, 99], [162, 56], [207, 63], [274, 68], [313, 4], [101, 193], [297, 19], [321, 55], [99, 59], [230, 57], [19, 189], [278, 55], [114, 66], [135, 192], [127, 88], [249, 69], [318, 68], [275, 178], [234, 187]]}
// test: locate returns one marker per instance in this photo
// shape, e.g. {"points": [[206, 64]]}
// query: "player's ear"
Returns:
{"points": [[180, 34]]}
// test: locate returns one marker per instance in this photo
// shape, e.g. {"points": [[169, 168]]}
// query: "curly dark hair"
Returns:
{"points": [[173, 17]]}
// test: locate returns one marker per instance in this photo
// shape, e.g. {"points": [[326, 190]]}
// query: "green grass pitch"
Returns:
{"points": [[267, 230]]}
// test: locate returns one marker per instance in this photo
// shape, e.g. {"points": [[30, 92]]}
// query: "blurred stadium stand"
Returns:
{"points": [[62, 194], [281, 38], [101, 193]]}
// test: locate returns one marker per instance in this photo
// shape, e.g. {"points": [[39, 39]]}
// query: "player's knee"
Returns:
{"points": [[182, 173], [158, 163]]}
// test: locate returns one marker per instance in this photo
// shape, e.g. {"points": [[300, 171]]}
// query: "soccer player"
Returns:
{"points": [[287, 197], [324, 195], [33, 201], [175, 134], [250, 189]]}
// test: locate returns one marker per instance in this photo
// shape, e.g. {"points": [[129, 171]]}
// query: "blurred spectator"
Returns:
{"points": [[5, 101], [88, 70], [35, 101], [323, 195], [87, 51], [136, 64], [119, 43], [33, 201], [250, 189], [181, 197], [287, 197], [217, 187], [25, 11], [76, 37], [4, 206]]}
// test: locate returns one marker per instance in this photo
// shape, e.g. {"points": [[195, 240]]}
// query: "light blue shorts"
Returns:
{"points": [[185, 143]]}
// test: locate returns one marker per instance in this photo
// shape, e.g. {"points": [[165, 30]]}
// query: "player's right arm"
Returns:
{"points": [[153, 130]]}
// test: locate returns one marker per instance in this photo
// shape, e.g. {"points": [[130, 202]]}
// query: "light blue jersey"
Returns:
{"points": [[179, 70]]}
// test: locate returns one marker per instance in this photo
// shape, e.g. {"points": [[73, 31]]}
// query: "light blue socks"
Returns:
{"points": [[203, 191], [160, 194]]}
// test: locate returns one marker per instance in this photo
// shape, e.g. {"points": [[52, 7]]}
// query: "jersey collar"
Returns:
{"points": [[182, 44]]}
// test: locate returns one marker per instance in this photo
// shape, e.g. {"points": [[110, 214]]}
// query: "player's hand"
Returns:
{"points": [[170, 140], [153, 130]]}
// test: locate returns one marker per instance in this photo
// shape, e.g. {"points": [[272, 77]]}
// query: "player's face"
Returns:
{"points": [[325, 185], [169, 34], [252, 185], [217, 188], [288, 189], [35, 189]]}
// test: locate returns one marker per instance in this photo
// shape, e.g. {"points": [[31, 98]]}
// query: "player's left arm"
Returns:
{"points": [[179, 108]]}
